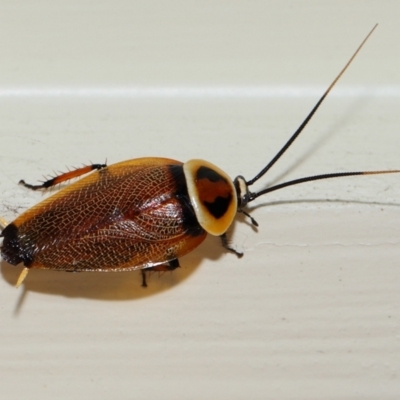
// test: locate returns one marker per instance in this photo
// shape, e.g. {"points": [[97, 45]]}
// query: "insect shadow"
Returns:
{"points": [[112, 285]]}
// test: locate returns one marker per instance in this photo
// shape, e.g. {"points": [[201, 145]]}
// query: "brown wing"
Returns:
{"points": [[134, 214]]}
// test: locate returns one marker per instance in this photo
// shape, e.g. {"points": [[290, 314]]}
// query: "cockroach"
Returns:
{"points": [[142, 214]]}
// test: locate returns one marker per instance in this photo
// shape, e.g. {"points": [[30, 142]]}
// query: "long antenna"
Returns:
{"points": [[309, 116], [252, 196]]}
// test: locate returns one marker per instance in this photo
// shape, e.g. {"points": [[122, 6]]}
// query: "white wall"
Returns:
{"points": [[312, 309]]}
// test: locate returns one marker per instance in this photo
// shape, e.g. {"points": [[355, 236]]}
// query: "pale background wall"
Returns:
{"points": [[312, 310]]}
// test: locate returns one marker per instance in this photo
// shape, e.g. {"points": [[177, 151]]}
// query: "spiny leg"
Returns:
{"points": [[173, 264], [227, 246], [76, 173]]}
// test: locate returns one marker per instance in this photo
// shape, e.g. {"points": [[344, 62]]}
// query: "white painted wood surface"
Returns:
{"points": [[312, 309]]}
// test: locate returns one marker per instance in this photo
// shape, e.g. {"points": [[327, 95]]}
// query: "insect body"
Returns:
{"points": [[139, 214]]}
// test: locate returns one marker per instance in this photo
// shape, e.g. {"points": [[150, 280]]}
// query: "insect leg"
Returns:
{"points": [[144, 282], [173, 264], [227, 246], [63, 177], [22, 277]]}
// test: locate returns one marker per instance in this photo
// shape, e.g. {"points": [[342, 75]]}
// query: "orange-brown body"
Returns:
{"points": [[131, 215]]}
